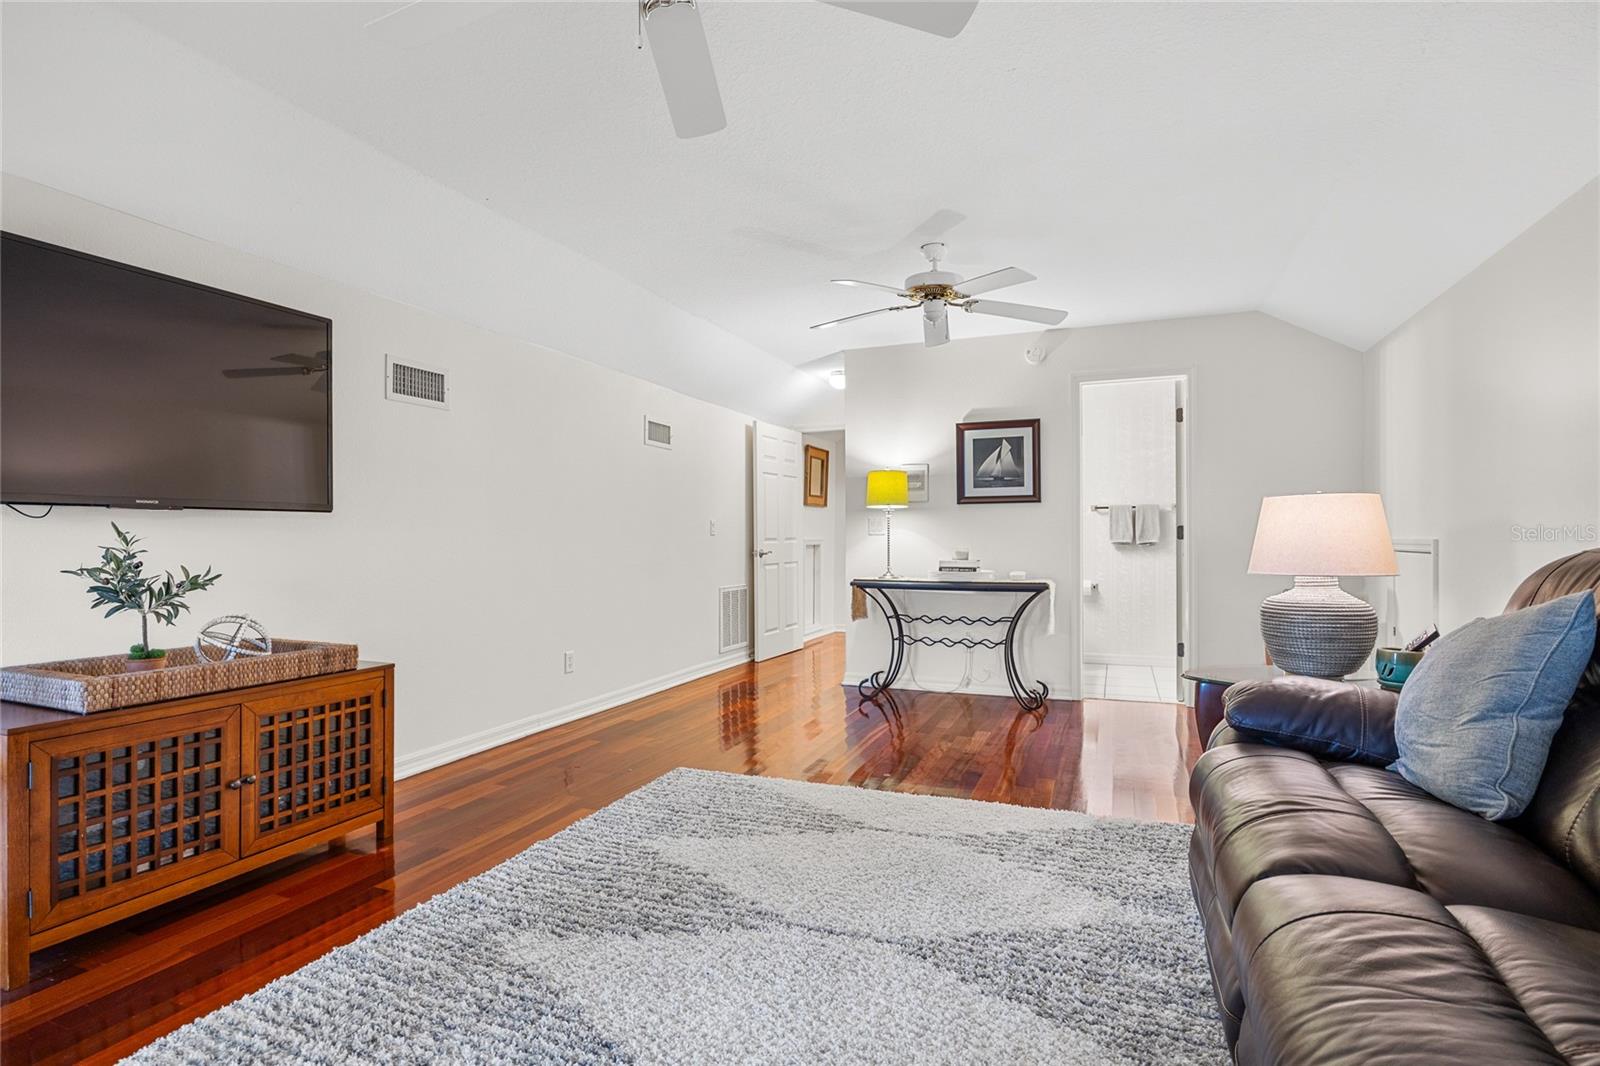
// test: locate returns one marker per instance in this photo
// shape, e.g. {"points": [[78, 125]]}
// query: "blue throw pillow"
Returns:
{"points": [[1477, 715]]}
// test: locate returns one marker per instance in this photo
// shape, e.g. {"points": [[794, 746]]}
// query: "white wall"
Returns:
{"points": [[1129, 435], [1272, 409], [826, 524], [459, 546], [99, 106], [1485, 407]]}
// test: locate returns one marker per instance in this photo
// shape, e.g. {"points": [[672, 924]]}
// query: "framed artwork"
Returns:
{"points": [[916, 482], [998, 462], [816, 476]]}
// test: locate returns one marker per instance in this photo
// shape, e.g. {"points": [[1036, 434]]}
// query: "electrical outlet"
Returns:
{"points": [[713, 527], [567, 665]]}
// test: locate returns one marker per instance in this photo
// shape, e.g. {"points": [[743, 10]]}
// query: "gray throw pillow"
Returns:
{"points": [[1477, 715]]}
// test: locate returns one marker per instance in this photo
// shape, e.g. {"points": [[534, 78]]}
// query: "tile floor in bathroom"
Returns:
{"points": [[1119, 681]]}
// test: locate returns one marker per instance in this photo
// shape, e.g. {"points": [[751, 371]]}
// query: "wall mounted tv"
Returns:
{"points": [[121, 387]]}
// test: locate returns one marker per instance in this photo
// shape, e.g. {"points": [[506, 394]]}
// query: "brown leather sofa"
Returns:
{"points": [[1352, 918]]}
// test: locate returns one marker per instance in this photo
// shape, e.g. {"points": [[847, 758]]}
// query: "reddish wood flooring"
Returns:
{"points": [[106, 994]]}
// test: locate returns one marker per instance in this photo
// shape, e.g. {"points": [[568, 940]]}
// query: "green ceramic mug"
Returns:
{"points": [[1395, 665]]}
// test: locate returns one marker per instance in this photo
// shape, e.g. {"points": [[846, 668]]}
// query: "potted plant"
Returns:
{"points": [[120, 584]]}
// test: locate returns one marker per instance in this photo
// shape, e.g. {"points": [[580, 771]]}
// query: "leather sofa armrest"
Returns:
{"points": [[1226, 734], [1329, 719]]}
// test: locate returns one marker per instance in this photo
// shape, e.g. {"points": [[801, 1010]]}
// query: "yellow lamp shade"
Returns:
{"points": [[887, 488]]}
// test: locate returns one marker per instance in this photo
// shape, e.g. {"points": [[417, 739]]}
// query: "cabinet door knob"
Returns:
{"points": [[240, 782]]}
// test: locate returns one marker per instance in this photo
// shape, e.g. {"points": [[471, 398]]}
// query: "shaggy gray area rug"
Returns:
{"points": [[710, 918]]}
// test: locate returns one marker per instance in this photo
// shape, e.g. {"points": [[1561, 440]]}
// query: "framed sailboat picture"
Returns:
{"points": [[997, 462]]}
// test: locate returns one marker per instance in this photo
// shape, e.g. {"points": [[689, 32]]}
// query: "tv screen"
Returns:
{"points": [[126, 388]]}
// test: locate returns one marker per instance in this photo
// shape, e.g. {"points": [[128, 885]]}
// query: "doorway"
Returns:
{"points": [[1131, 542], [776, 492]]}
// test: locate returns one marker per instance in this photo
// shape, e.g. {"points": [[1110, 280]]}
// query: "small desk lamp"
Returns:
{"points": [[888, 491], [1317, 628]]}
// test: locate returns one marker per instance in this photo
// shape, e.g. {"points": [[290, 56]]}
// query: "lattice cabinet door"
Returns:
{"points": [[317, 758], [127, 810]]}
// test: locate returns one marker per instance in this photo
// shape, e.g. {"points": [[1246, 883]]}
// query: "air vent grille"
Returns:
{"points": [[656, 433], [413, 383], [735, 628]]}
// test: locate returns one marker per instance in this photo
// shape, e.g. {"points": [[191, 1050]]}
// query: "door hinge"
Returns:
{"points": [[1180, 414], [1180, 649], [30, 774], [30, 903], [1180, 532]]}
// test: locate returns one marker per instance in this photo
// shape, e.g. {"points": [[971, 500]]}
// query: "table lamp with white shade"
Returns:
{"points": [[1317, 628], [888, 491]]}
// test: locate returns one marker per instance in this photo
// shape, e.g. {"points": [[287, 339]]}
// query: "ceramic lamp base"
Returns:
{"points": [[1318, 629]]}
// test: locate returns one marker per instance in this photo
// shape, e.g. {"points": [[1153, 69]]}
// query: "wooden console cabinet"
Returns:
{"points": [[109, 814]]}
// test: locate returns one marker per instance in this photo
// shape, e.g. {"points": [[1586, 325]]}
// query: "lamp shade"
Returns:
{"points": [[887, 488], [1326, 534]]}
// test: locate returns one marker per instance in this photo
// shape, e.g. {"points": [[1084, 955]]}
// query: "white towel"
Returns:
{"points": [[1121, 515], [1147, 523]]}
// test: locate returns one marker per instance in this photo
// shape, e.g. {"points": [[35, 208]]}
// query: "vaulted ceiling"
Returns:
{"points": [[1335, 165]]}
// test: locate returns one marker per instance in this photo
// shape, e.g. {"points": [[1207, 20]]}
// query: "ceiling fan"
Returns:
{"points": [[683, 59], [936, 291], [296, 364]]}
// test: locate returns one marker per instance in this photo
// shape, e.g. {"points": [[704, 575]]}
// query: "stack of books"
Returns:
{"points": [[962, 570]]}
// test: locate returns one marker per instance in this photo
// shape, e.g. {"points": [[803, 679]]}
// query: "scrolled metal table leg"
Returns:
{"points": [[1031, 698], [880, 681]]}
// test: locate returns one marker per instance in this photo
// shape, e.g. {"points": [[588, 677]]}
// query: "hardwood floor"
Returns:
{"points": [[106, 994]]}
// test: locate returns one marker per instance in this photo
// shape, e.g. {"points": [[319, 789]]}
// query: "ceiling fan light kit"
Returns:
{"points": [[936, 291]]}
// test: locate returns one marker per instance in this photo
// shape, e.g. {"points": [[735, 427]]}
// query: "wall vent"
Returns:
{"points": [[412, 383], [657, 434], [734, 631]]}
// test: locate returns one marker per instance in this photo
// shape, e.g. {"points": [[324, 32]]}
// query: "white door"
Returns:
{"points": [[1180, 518], [777, 492]]}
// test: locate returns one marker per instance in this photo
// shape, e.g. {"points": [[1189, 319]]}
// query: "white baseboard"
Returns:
{"points": [[1111, 659], [483, 740]]}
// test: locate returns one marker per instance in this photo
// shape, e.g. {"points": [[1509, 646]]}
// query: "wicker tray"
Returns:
{"points": [[102, 683]]}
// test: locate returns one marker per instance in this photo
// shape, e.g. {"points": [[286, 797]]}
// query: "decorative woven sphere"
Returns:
{"points": [[233, 636]]}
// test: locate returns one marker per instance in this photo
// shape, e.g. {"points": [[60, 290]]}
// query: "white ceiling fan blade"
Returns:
{"points": [[1046, 316], [419, 23], [995, 279], [869, 285], [863, 314], [935, 328], [683, 61], [943, 17]]}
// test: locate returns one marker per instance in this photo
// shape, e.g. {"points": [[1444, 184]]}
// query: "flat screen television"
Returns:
{"points": [[122, 387]]}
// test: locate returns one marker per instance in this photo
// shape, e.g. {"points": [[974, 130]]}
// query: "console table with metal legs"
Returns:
{"points": [[896, 617]]}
